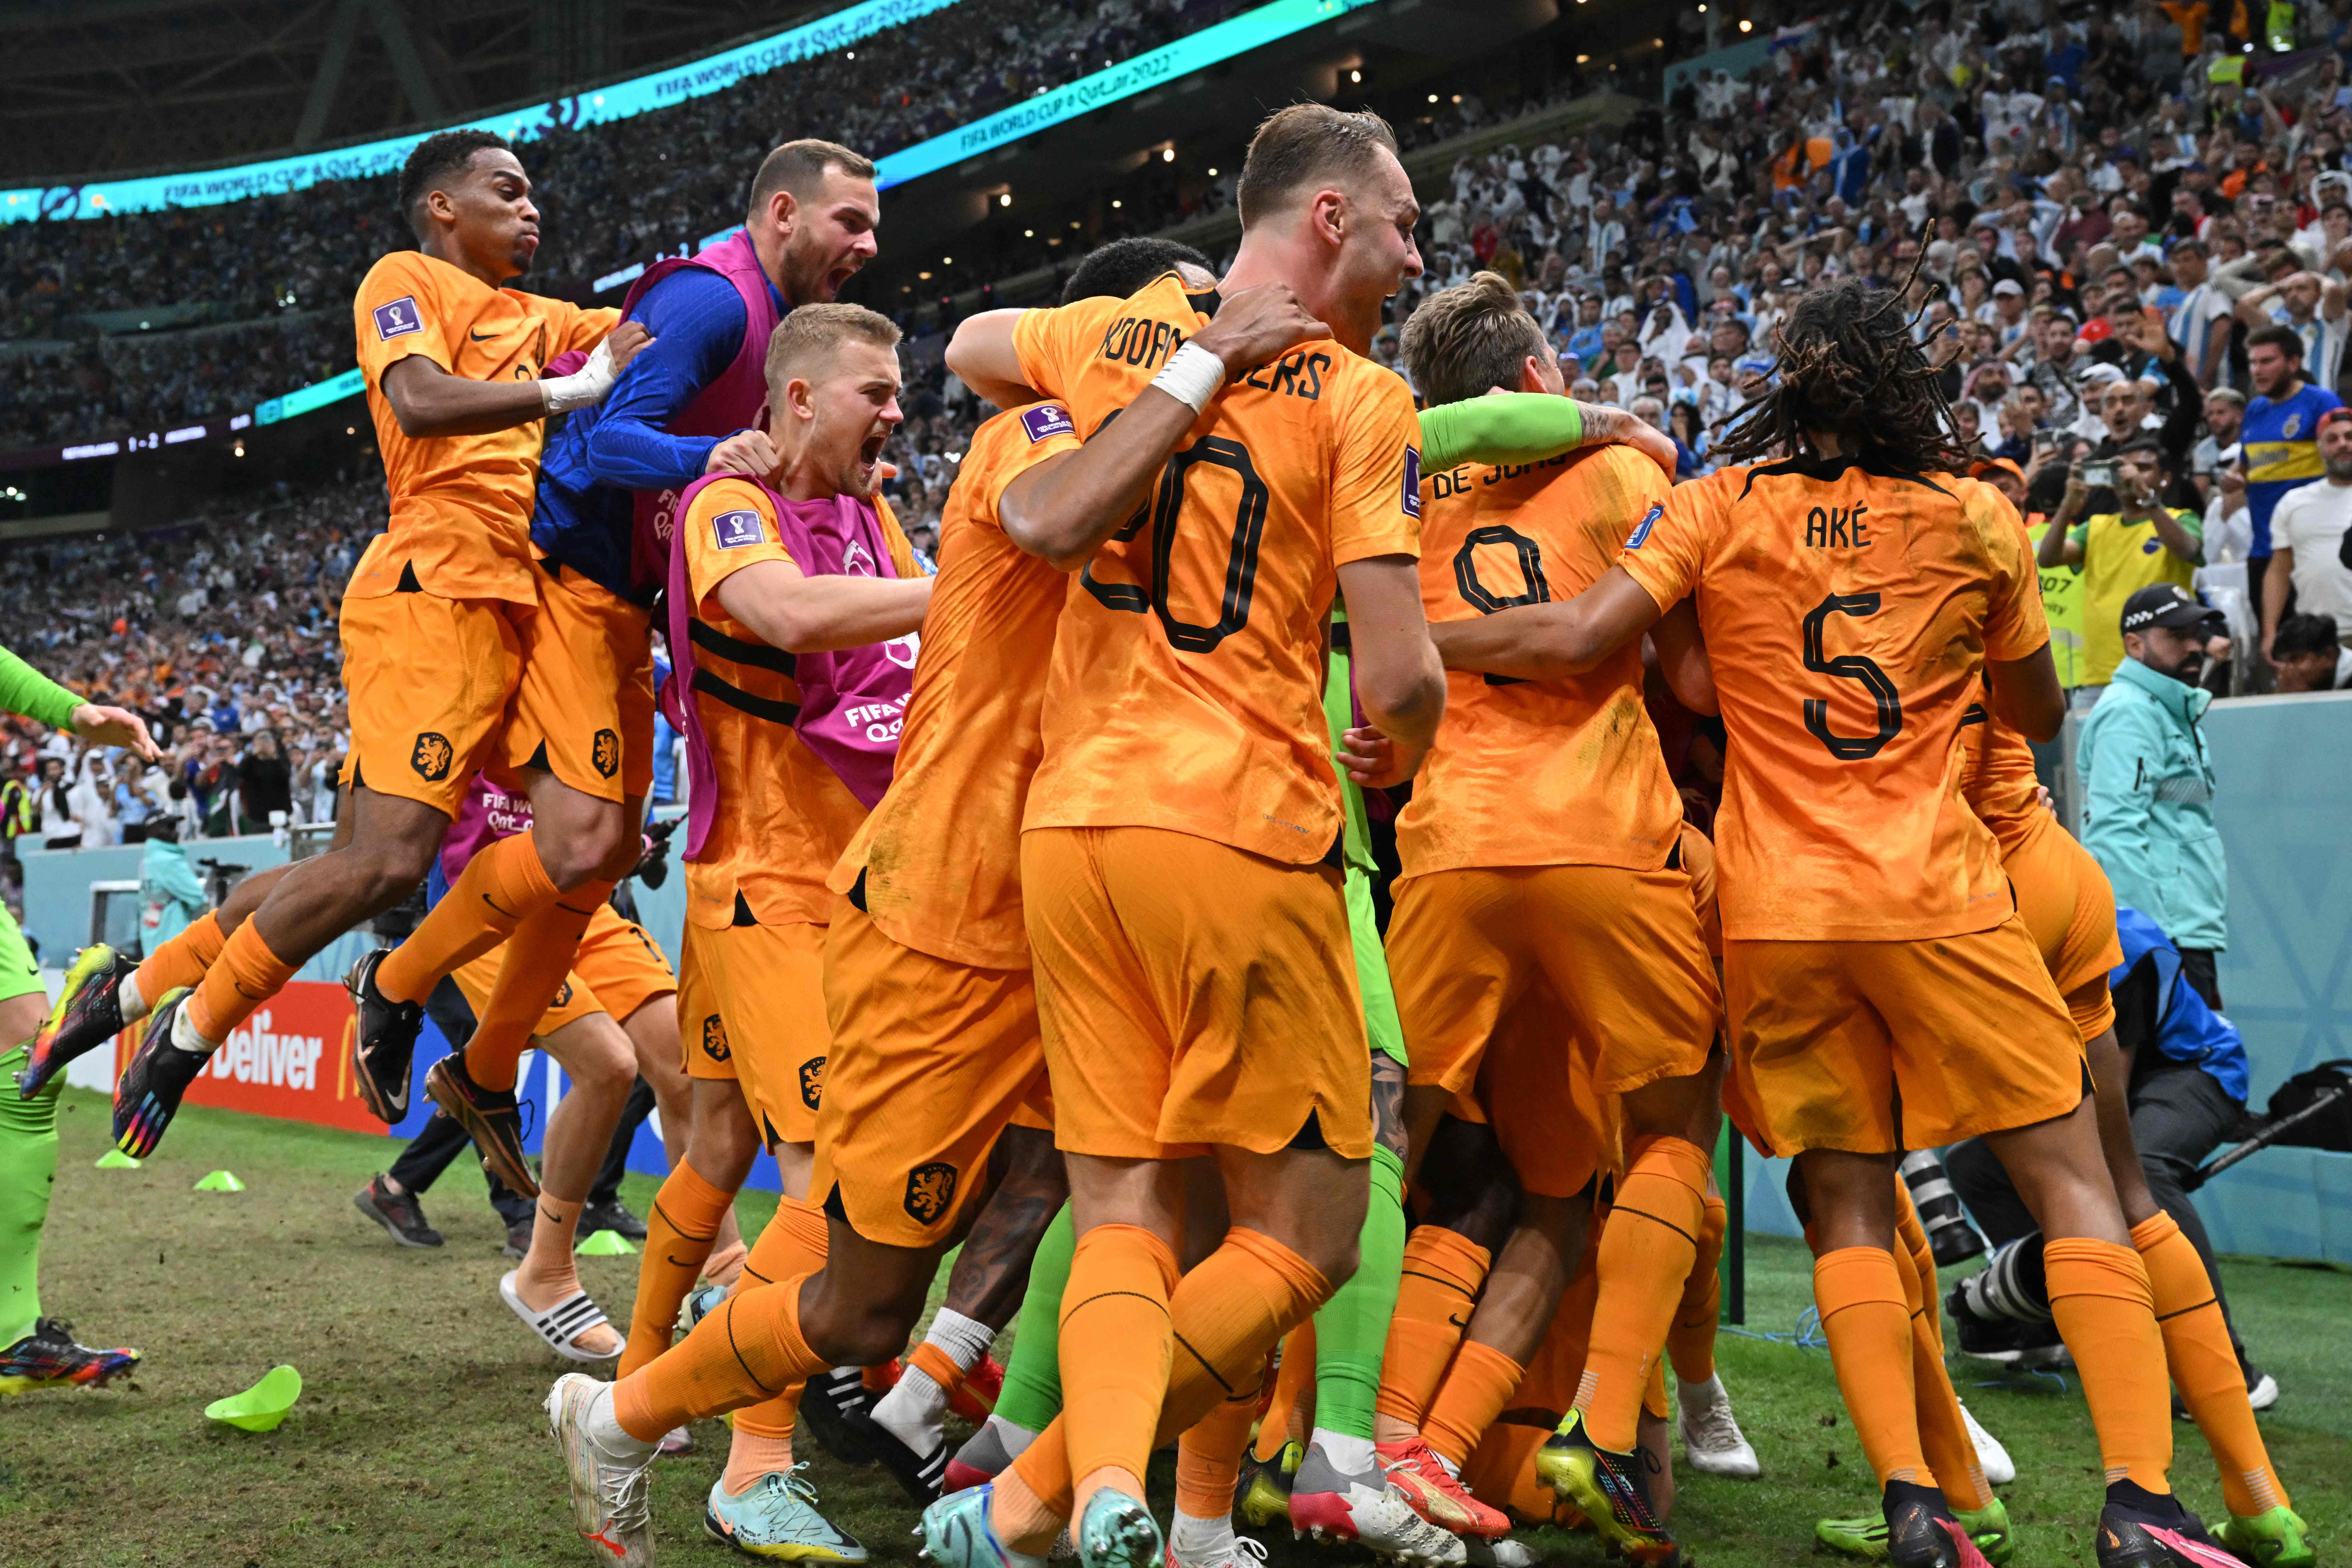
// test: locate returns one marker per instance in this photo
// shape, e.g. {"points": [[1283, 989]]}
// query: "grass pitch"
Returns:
{"points": [[419, 1438]]}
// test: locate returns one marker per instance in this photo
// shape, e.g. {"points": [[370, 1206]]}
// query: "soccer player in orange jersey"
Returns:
{"points": [[1543, 844], [773, 812], [1882, 990], [1179, 860], [434, 619]]}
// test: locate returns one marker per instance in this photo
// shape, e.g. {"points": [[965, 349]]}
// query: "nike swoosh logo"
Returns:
{"points": [[493, 903], [478, 338]]}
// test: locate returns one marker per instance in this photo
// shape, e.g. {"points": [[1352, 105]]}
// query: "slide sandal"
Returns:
{"points": [[560, 1325]]}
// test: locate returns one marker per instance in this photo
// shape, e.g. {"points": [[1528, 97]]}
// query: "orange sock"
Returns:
{"points": [[751, 1454], [679, 1233], [1943, 1431], [537, 961], [1867, 1320], [246, 975], [1477, 1385], [935, 1365], [1115, 1345], [1208, 1455], [795, 1242], [1295, 1374], [748, 1350], [1224, 1317], [1444, 1271], [1912, 1237], [2099, 1295], [181, 961], [1647, 1250], [499, 888], [2205, 1367], [1690, 1343]]}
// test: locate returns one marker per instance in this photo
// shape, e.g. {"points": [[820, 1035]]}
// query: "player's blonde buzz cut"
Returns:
{"points": [[1467, 339], [1306, 147], [799, 167], [812, 334]]}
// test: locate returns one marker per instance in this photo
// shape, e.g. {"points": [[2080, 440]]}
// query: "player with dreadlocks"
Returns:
{"points": [[1856, 596]]}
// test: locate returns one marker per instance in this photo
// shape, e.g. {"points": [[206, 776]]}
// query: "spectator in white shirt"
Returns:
{"points": [[2307, 537], [2201, 322]]}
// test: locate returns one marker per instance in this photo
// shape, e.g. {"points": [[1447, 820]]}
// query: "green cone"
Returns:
{"points": [[262, 1407], [605, 1244], [116, 1160], [219, 1181]]}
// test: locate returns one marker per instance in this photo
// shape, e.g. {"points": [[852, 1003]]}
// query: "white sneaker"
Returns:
{"points": [[609, 1497], [1377, 1518], [1712, 1440], [1998, 1468], [1236, 1552], [2263, 1391]]}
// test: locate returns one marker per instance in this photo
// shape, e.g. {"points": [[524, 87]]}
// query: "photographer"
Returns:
{"points": [[2139, 544]]}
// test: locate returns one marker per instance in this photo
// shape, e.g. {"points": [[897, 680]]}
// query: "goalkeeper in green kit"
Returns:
{"points": [[38, 1352]]}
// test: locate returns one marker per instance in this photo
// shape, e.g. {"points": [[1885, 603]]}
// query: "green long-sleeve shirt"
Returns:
{"points": [[1513, 427], [24, 690]]}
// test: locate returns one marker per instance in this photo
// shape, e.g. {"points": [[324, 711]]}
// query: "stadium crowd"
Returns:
{"points": [[2111, 207]]}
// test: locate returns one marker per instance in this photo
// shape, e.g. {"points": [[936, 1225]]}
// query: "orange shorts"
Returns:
{"points": [[1556, 1127], [583, 703], [1875, 1046], [2068, 905], [930, 1061], [430, 680], [1620, 949], [750, 1006], [1192, 994], [618, 970]]}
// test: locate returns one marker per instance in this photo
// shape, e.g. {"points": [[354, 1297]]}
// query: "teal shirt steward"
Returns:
{"points": [[2148, 806]]}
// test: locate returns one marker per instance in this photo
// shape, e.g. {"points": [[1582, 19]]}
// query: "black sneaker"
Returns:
{"points": [[2139, 1528], [89, 1013], [398, 1212], [147, 1096], [384, 1040], [490, 1118], [611, 1215], [824, 1405], [1921, 1532], [919, 1476]]}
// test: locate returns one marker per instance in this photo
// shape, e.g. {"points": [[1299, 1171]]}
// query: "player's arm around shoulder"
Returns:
{"points": [[985, 357], [736, 558], [1656, 569], [1375, 521]]}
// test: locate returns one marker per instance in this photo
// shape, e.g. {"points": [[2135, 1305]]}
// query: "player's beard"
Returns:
{"points": [[808, 273]]}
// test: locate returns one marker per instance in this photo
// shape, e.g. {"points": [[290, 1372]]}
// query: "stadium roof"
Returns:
{"points": [[90, 87]]}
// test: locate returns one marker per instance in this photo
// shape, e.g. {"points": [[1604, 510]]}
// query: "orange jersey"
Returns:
{"points": [[1563, 772], [461, 504], [1187, 683], [784, 816], [1850, 613], [942, 852]]}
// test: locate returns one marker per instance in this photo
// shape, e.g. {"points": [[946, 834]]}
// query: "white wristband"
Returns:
{"points": [[584, 386], [1192, 376]]}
